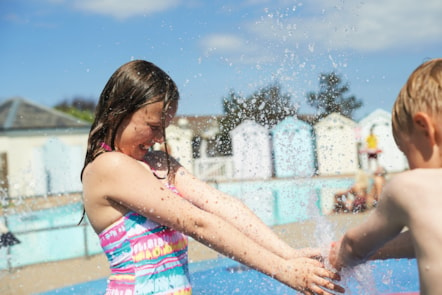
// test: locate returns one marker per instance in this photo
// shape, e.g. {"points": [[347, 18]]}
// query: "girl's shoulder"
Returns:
{"points": [[109, 162]]}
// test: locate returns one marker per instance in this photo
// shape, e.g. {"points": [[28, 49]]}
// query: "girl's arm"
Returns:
{"points": [[232, 210], [131, 184]]}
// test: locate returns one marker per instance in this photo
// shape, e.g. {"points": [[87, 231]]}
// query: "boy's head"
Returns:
{"points": [[422, 93]]}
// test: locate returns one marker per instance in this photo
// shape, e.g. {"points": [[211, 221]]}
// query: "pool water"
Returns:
{"points": [[225, 277]]}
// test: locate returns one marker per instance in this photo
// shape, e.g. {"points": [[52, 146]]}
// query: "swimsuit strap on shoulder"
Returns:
{"points": [[106, 147], [154, 171]]}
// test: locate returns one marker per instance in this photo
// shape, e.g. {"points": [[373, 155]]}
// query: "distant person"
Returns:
{"points": [[372, 150], [353, 199], [7, 238], [143, 204], [374, 193], [413, 199]]}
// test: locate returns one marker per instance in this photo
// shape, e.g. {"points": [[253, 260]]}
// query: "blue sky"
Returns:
{"points": [[53, 50]]}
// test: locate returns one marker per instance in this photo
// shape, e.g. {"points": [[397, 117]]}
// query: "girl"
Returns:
{"points": [[143, 204]]}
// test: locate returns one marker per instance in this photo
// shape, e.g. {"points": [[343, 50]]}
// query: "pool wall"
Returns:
{"points": [[53, 234]]}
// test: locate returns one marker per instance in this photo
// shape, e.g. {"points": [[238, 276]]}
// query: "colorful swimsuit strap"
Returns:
{"points": [[106, 147]]}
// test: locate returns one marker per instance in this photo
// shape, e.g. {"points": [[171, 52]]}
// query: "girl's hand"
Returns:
{"points": [[314, 253], [309, 276]]}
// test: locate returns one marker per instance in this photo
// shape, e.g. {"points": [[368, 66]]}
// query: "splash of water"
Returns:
{"points": [[359, 279]]}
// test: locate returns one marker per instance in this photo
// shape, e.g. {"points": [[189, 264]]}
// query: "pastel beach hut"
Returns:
{"points": [[389, 157], [293, 148], [252, 157], [336, 146]]}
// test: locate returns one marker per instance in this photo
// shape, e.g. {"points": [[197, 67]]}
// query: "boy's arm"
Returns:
{"points": [[399, 247], [361, 242]]}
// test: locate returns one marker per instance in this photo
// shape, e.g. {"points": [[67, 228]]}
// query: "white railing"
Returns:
{"points": [[219, 168]]}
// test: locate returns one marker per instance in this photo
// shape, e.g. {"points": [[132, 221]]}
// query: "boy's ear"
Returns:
{"points": [[424, 123]]}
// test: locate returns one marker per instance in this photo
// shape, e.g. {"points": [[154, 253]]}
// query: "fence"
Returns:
{"points": [[48, 235], [53, 234], [214, 169]]}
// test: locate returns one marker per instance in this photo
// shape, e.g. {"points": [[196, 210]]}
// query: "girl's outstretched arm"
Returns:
{"points": [[228, 208], [237, 213]]}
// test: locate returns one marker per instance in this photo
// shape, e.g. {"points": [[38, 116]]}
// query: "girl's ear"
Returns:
{"points": [[424, 123]]}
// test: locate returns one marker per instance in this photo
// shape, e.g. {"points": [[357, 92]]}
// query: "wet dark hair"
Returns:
{"points": [[130, 88]]}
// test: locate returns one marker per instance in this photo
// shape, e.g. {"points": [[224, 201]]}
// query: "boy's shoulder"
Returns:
{"points": [[408, 184], [418, 176]]}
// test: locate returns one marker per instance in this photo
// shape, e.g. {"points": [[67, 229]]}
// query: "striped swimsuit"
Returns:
{"points": [[145, 257]]}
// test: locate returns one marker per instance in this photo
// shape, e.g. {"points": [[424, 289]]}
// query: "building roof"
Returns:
{"points": [[207, 126], [20, 114]]}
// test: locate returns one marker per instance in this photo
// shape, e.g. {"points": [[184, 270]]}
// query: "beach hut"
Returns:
{"points": [[179, 141], [293, 148], [336, 147], [41, 150], [389, 156], [252, 158]]}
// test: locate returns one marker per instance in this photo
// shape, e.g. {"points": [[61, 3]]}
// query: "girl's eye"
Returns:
{"points": [[155, 128]]}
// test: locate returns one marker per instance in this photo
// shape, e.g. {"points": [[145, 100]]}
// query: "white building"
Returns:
{"points": [[390, 157], [179, 141], [42, 150]]}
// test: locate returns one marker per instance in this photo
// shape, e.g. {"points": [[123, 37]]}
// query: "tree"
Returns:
{"points": [[330, 97], [78, 107], [267, 106]]}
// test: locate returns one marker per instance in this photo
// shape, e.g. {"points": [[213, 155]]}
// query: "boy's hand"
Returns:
{"points": [[333, 256]]}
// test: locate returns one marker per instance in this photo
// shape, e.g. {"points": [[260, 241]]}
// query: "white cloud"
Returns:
{"points": [[222, 43], [320, 26], [385, 25], [15, 18], [127, 8], [233, 48]]}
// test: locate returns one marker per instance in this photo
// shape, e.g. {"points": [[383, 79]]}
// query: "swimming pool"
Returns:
{"points": [[277, 202], [225, 277]]}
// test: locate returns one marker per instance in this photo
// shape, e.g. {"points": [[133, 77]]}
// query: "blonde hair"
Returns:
{"points": [[421, 93]]}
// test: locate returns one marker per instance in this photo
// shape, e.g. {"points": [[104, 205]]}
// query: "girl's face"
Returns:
{"points": [[138, 132]]}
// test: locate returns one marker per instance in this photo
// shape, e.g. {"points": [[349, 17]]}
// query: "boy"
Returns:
{"points": [[413, 199]]}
